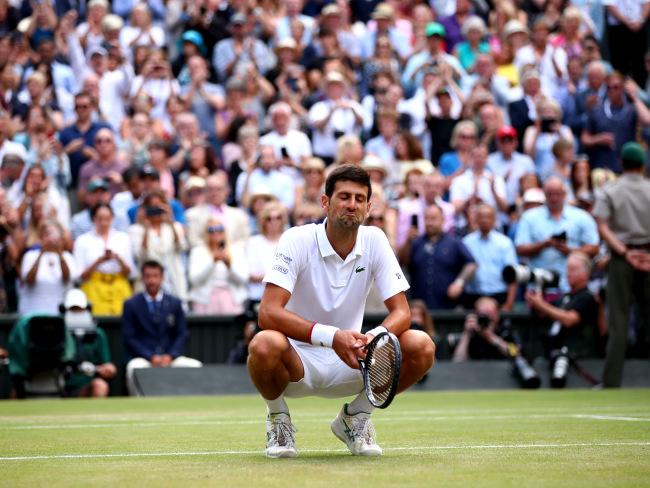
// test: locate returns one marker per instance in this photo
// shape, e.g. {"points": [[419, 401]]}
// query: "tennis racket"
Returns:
{"points": [[380, 369]]}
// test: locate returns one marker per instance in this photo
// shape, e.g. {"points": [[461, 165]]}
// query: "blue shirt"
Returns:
{"points": [[537, 225], [176, 206], [72, 132], [492, 254], [434, 266]]}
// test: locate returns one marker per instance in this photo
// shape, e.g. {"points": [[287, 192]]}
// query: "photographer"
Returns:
{"points": [[480, 339], [92, 353], [576, 310]]}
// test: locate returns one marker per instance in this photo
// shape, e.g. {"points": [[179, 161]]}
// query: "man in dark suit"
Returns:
{"points": [[523, 112], [154, 327]]}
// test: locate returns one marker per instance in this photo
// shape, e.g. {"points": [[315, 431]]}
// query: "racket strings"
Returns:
{"points": [[381, 371]]}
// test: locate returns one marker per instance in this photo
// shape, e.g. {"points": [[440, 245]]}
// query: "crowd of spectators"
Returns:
{"points": [[192, 133]]}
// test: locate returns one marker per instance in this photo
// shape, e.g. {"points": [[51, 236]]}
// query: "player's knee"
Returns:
{"points": [[418, 347], [99, 388], [267, 345]]}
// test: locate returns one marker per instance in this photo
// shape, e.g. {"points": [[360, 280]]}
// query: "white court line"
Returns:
{"points": [[392, 418], [324, 451], [613, 417]]}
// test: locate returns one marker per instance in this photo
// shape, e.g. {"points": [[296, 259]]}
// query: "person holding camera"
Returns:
{"points": [[218, 274], [480, 339], [95, 367], [157, 237]]}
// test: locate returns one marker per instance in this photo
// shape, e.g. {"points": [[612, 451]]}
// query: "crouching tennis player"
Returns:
{"points": [[311, 315]]}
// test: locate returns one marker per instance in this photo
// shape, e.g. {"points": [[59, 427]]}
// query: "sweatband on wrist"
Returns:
{"points": [[322, 335], [377, 330]]}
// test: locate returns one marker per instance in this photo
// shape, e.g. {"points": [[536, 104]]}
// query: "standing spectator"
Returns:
{"points": [[624, 224], [234, 219], [106, 165], [335, 116], [104, 259], [384, 17], [313, 186], [454, 23], [610, 124], [266, 174], [233, 53], [508, 163], [96, 193], [477, 184], [150, 181], [588, 97], [260, 248], [141, 31], [547, 234], [627, 36], [154, 328], [156, 82], [124, 200], [523, 112], [157, 237], [492, 251], [218, 274], [78, 139], [46, 272], [463, 139], [291, 146], [439, 264]]}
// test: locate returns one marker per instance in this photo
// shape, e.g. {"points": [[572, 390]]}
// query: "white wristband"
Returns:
{"points": [[377, 330], [322, 335]]}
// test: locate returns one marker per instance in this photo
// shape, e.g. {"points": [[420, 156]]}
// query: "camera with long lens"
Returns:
{"points": [[525, 373], [560, 363], [540, 277]]}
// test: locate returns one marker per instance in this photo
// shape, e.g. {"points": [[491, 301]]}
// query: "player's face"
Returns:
{"points": [[349, 206]]}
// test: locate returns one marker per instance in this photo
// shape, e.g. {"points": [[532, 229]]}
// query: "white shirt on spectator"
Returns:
{"points": [[259, 254], [341, 120], [90, 246], [159, 90], [463, 186], [48, 291], [296, 142], [277, 183], [630, 9], [510, 170]]}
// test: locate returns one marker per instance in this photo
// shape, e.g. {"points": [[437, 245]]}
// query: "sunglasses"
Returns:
{"points": [[273, 217], [103, 140], [215, 228], [81, 106]]}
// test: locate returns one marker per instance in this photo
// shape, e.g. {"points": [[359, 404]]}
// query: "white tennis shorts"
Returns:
{"points": [[325, 374]]}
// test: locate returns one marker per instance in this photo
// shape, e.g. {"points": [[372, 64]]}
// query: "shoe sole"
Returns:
{"points": [[283, 454]]}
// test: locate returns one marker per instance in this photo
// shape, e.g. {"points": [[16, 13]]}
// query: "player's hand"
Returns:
{"points": [[348, 345]]}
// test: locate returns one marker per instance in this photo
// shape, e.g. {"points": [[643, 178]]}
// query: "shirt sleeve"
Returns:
{"points": [[386, 271], [287, 261], [590, 230], [602, 208], [523, 235]]}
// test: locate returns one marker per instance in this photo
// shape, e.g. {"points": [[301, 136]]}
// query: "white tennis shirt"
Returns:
{"points": [[326, 288]]}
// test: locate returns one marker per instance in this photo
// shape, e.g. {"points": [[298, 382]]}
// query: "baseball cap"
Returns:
{"points": [[238, 18], [373, 163], [96, 50], [435, 29], [286, 43], [534, 195], [150, 172], [334, 77], [195, 38], [506, 131], [530, 74], [632, 152], [331, 9], [75, 298], [514, 26], [97, 184], [194, 182]]}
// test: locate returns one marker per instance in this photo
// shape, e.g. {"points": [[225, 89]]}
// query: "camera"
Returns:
{"points": [[560, 236], [154, 211], [559, 367], [222, 244], [483, 320], [520, 273], [525, 373], [547, 125]]}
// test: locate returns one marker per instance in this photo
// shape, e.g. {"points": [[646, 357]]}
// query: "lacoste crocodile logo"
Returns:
{"points": [[359, 269]]}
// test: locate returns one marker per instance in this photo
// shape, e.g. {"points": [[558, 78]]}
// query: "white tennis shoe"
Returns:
{"points": [[357, 432], [280, 441]]}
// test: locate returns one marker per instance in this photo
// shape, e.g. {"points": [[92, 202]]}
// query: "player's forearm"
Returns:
{"points": [[286, 322]]}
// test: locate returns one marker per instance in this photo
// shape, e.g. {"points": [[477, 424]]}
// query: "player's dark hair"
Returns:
{"points": [[152, 264], [347, 172]]}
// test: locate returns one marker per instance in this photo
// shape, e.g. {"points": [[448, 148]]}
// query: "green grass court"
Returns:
{"points": [[504, 438]]}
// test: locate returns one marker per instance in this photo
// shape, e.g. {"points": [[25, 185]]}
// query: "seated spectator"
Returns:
{"points": [[575, 312], [154, 328], [463, 139], [266, 174], [39, 212], [473, 31], [46, 272], [107, 164], [134, 148], [124, 200], [96, 193], [581, 184], [492, 251], [313, 186], [193, 192], [563, 153], [241, 156], [156, 237], [218, 274], [260, 248], [234, 219], [105, 262], [439, 265], [158, 159], [91, 347], [200, 161], [546, 235]]}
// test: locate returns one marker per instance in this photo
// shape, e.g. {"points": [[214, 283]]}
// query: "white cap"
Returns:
{"points": [[534, 195], [75, 298]]}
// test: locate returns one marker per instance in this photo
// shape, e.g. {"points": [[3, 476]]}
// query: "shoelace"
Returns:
{"points": [[282, 433], [363, 429]]}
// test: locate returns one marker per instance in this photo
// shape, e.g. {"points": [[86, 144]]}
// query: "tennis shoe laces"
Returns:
{"points": [[357, 432], [280, 441]]}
